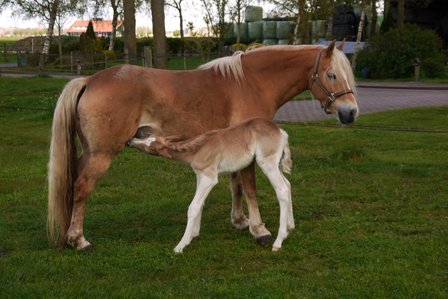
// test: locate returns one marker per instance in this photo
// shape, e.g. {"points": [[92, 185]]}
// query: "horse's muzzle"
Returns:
{"points": [[347, 116]]}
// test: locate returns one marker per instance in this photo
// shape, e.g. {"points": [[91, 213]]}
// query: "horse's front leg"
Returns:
{"points": [[239, 220], [204, 185], [256, 226]]}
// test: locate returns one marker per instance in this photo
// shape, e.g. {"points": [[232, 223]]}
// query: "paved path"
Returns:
{"points": [[372, 98]]}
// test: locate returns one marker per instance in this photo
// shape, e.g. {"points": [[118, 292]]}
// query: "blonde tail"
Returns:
{"points": [[285, 162], [62, 166]]}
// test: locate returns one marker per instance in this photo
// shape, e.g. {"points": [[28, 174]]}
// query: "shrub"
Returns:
{"points": [[238, 47], [391, 55]]}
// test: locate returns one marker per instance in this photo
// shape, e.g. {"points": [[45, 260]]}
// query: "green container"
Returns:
{"points": [[255, 30], [270, 41], [284, 30], [253, 13], [283, 41], [269, 29], [244, 33]]}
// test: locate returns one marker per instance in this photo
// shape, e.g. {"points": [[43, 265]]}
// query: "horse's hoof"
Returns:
{"points": [[264, 240], [275, 249]]}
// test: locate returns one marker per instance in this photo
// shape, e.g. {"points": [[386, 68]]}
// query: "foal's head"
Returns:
{"points": [[333, 84]]}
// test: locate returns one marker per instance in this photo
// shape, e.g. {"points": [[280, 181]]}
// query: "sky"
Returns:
{"points": [[172, 22], [191, 14]]}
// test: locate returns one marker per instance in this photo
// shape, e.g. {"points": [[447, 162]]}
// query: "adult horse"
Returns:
{"points": [[107, 109]]}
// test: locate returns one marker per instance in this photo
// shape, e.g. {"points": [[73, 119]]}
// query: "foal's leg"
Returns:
{"points": [[256, 226], [283, 192], [204, 185], [239, 220], [93, 166]]}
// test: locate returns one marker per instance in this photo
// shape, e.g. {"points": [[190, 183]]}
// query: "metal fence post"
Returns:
{"points": [[147, 53], [71, 61], [78, 62], [5, 52]]}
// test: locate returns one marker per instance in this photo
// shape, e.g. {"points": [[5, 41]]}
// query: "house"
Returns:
{"points": [[102, 28]]}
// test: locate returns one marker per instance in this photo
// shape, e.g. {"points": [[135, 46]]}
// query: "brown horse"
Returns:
{"points": [[107, 109]]}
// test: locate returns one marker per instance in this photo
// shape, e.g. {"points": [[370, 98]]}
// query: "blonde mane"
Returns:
{"points": [[227, 66]]}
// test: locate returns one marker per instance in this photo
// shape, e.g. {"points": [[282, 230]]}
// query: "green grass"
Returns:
{"points": [[371, 212]]}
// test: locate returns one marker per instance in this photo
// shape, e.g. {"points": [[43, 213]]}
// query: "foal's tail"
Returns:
{"points": [[285, 162], [62, 167]]}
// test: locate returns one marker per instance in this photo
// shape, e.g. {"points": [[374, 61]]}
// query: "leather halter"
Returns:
{"points": [[331, 96]]}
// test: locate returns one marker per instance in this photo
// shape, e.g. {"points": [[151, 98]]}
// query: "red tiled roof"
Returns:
{"points": [[98, 26]]}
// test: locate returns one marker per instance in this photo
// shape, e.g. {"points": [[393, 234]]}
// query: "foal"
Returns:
{"points": [[229, 150]]}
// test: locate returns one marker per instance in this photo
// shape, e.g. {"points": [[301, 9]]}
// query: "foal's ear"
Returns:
{"points": [[340, 47], [330, 48]]}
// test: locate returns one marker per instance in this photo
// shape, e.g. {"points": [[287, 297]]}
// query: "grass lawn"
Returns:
{"points": [[371, 210]]}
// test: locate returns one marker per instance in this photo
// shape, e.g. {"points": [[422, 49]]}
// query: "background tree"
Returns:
{"points": [[297, 9], [400, 16], [117, 11], [158, 27], [374, 18], [359, 35], [237, 9], [177, 5], [47, 10], [130, 40], [216, 12]]}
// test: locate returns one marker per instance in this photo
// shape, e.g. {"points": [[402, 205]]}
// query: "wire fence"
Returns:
{"points": [[81, 63]]}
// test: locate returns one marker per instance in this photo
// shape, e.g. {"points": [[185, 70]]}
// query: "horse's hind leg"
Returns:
{"points": [[283, 192], [256, 226], [239, 220], [92, 167]]}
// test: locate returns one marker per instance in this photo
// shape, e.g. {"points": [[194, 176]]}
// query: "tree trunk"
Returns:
{"points": [[329, 34], [359, 35], [400, 17], [130, 41], [47, 41], [158, 29], [374, 19], [299, 20], [60, 39], [113, 36], [238, 24], [182, 37]]}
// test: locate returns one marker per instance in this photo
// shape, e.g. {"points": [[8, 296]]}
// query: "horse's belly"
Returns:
{"points": [[234, 161]]}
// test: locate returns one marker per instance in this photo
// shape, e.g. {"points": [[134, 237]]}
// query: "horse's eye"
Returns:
{"points": [[331, 76]]}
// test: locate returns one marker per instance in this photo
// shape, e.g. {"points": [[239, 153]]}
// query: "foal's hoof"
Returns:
{"points": [[264, 240], [88, 249]]}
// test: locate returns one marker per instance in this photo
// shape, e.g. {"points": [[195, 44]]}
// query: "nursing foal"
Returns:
{"points": [[229, 150]]}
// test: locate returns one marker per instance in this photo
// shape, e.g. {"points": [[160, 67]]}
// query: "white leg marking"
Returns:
{"points": [[283, 193], [203, 187]]}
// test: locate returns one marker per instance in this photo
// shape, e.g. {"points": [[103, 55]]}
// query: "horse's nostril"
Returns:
{"points": [[347, 117]]}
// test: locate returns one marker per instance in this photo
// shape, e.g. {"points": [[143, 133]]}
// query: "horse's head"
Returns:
{"points": [[332, 83]]}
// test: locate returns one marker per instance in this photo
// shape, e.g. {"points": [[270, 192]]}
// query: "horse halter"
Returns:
{"points": [[331, 96]]}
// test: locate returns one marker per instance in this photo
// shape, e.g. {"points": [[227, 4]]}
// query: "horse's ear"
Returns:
{"points": [[330, 48], [340, 47]]}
